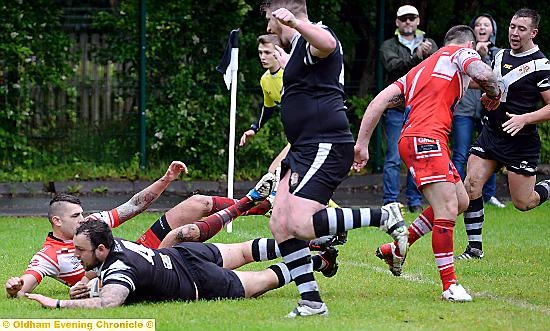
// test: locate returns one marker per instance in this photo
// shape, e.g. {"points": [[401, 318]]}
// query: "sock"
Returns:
{"points": [[260, 209], [220, 203], [155, 234], [335, 220], [211, 225], [543, 189], [283, 275], [297, 258], [473, 221], [264, 249], [442, 246], [421, 225]]}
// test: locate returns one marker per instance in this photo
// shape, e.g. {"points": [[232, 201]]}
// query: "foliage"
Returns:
{"points": [[187, 103], [34, 52]]}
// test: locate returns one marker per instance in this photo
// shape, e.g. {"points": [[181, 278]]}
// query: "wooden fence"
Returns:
{"points": [[100, 95]]}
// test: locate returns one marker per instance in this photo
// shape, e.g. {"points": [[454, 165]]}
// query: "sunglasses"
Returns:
{"points": [[406, 18]]}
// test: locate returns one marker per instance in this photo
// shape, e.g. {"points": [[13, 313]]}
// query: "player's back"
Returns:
{"points": [[432, 90]]}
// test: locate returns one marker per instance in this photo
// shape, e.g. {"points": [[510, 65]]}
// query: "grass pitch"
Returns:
{"points": [[510, 286]]}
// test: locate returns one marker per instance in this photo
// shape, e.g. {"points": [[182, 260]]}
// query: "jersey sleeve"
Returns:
{"points": [[43, 263], [464, 57], [119, 273], [110, 217], [544, 83]]}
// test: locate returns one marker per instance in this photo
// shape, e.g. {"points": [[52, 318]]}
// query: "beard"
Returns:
{"points": [[94, 263]]}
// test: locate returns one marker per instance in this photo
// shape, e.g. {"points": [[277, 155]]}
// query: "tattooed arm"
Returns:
{"points": [[390, 97], [143, 199], [484, 78], [112, 295]]}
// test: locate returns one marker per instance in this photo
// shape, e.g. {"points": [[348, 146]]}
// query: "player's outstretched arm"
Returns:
{"points": [[391, 96], [111, 295], [143, 199], [16, 287]]}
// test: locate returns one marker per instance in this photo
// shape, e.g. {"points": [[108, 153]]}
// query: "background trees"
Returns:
{"points": [[47, 99]]}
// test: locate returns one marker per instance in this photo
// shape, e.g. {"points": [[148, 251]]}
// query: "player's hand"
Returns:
{"points": [[174, 170], [79, 291], [490, 103], [43, 300], [482, 48], [361, 157], [247, 134], [281, 56], [514, 124], [286, 17], [14, 285]]}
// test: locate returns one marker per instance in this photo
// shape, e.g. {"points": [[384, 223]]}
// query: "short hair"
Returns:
{"points": [[269, 39], [97, 232], [294, 6], [459, 34], [56, 203], [529, 13]]}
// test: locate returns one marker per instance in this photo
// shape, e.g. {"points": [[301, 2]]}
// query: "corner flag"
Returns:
{"points": [[229, 66]]}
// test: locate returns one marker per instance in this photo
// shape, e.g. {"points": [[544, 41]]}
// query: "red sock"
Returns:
{"points": [[211, 225], [421, 225], [220, 203], [442, 246], [260, 209]]}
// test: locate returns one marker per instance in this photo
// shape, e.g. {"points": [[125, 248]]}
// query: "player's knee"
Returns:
{"points": [[187, 233], [522, 205], [203, 202]]}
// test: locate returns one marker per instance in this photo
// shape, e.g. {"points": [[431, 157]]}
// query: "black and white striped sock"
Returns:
{"points": [[282, 272], [297, 257], [473, 221], [543, 189], [335, 220], [264, 249]]}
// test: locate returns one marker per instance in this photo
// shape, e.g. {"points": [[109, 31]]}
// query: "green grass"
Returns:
{"points": [[510, 286]]}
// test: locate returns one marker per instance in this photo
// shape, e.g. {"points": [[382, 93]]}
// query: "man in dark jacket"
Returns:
{"points": [[399, 54]]}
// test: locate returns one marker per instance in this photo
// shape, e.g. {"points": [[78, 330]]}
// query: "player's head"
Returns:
{"points": [[523, 29], [285, 33], [460, 35], [407, 20], [266, 50], [485, 28], [93, 241], [65, 213]]}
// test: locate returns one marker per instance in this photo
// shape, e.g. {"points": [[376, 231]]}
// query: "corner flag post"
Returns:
{"points": [[229, 66]]}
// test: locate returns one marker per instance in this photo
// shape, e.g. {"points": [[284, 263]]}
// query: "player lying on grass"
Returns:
{"points": [[130, 272], [56, 258]]}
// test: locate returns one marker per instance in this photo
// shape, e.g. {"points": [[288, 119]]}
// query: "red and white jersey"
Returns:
{"points": [[110, 217], [432, 89], [56, 258]]}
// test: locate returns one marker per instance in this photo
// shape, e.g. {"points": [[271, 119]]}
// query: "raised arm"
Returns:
{"points": [[143, 199], [111, 295], [484, 79], [321, 40], [391, 96]]}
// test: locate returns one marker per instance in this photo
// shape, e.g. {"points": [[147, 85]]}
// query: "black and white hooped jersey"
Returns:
{"points": [[149, 274], [521, 78], [313, 109]]}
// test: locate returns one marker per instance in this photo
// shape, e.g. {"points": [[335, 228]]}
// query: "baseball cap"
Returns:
{"points": [[407, 9]]}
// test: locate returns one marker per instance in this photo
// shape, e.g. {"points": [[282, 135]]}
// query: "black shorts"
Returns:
{"points": [[519, 154], [317, 169], [204, 263]]}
